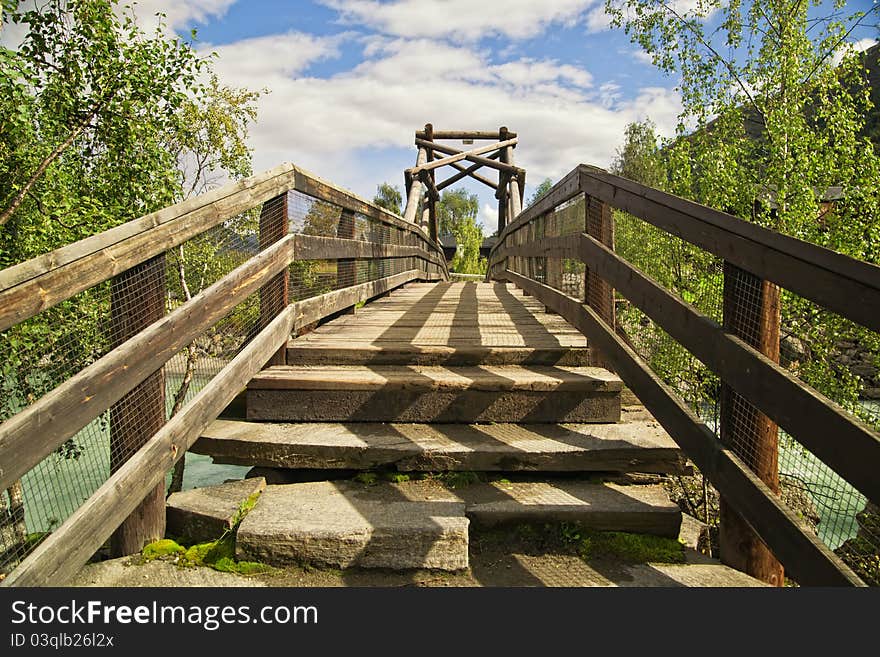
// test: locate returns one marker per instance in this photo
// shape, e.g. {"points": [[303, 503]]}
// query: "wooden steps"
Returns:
{"points": [[423, 524], [466, 394], [637, 446], [431, 379]]}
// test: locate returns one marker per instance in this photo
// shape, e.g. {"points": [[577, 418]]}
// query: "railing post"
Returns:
{"points": [[137, 299], [598, 294], [346, 268], [275, 295], [751, 312]]}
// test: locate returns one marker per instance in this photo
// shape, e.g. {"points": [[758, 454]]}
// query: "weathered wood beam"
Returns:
{"points": [[475, 176], [315, 247], [463, 134], [455, 157], [842, 284], [485, 161], [42, 282], [415, 190], [35, 432], [806, 558], [515, 192], [70, 546], [463, 172]]}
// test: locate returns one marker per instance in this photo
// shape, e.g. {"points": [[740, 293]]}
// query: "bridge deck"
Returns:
{"points": [[429, 317]]}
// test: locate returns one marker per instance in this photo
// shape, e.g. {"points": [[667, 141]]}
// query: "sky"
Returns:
{"points": [[349, 81]]}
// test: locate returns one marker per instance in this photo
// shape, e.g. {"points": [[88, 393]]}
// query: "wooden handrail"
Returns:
{"points": [[806, 558], [37, 430], [42, 282], [847, 286]]}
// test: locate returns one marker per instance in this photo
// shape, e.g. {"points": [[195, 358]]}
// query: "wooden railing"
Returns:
{"points": [[846, 286], [122, 253]]}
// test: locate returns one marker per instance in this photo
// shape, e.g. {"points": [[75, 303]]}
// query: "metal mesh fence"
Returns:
{"points": [[43, 352], [834, 355], [826, 351]]}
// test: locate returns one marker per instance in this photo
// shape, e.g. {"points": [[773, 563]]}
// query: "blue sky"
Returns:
{"points": [[349, 81]]}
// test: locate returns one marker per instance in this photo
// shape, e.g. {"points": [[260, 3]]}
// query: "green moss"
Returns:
{"points": [[396, 477], [632, 548], [623, 546], [245, 508], [229, 565], [459, 479], [367, 478], [162, 548]]}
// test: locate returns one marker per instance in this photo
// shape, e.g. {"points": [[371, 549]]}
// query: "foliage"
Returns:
{"points": [[98, 122], [632, 548], [640, 159], [545, 186], [775, 124], [388, 197], [457, 215]]}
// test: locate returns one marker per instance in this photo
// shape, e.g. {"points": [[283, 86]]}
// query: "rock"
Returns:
{"points": [[343, 524], [204, 514]]}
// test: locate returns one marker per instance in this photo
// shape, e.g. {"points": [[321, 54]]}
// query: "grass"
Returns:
{"points": [[622, 546], [218, 554]]}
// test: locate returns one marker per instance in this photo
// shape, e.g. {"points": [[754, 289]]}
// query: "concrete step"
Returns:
{"points": [[315, 352], [344, 524], [384, 393], [637, 446], [422, 524], [643, 509]]}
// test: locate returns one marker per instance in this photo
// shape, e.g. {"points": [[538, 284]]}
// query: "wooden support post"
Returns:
{"points": [[751, 312], [514, 191], [275, 295], [346, 268], [598, 294], [415, 190], [501, 195], [433, 195], [137, 299]]}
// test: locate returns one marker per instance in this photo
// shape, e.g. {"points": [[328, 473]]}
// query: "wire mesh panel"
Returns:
{"points": [[841, 367], [825, 351], [45, 351]]}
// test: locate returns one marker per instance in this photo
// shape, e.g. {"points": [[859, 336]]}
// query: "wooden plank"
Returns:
{"points": [[845, 285], [839, 439], [456, 156], [137, 301], [315, 247], [415, 191], [68, 548], [45, 281], [485, 161], [463, 134], [316, 308], [463, 172], [476, 176], [565, 190], [806, 558], [35, 432], [563, 246]]}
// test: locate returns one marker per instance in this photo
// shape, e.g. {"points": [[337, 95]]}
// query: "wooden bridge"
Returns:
{"points": [[339, 346]]}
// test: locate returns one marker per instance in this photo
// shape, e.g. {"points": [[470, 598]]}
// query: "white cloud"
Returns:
{"points": [[853, 46], [462, 19], [275, 58], [342, 126], [598, 20], [178, 13], [488, 217]]}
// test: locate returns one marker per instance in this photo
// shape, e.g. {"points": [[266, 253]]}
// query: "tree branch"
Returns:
{"points": [[51, 157]]}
